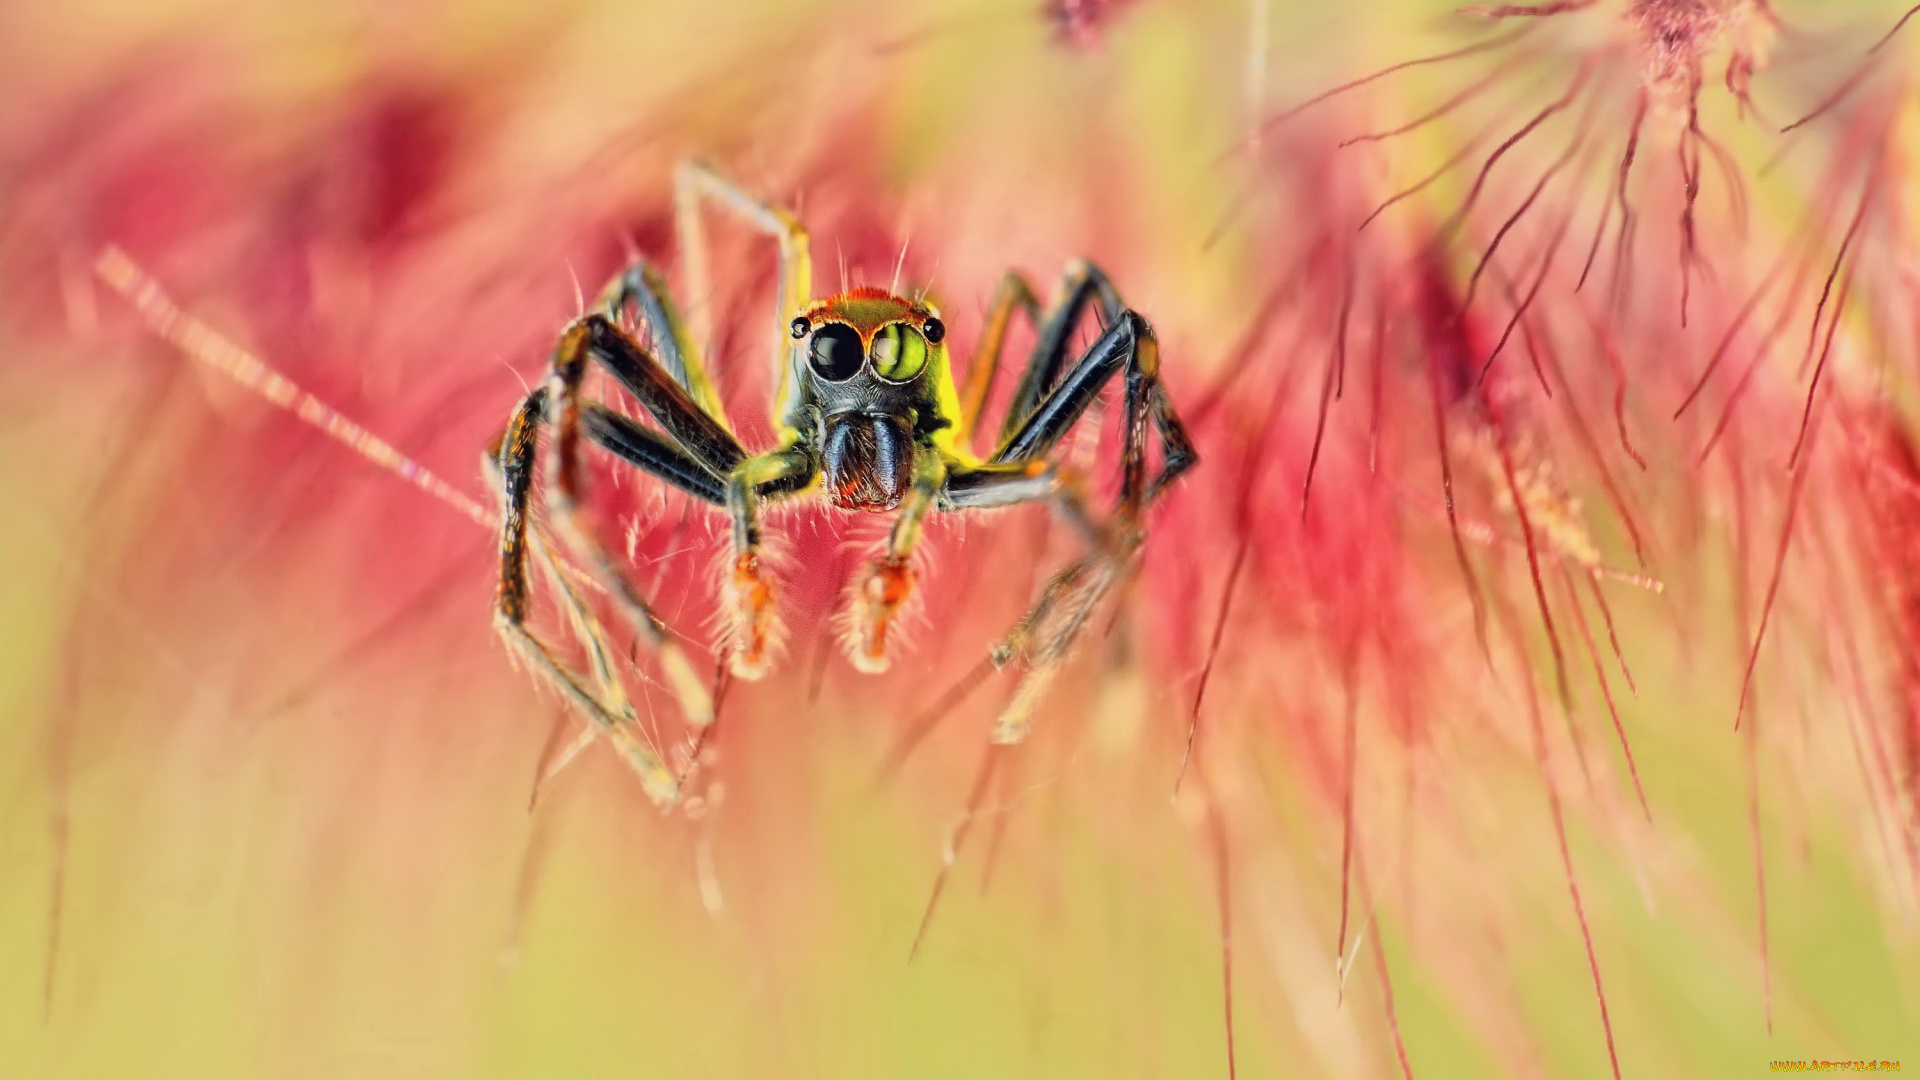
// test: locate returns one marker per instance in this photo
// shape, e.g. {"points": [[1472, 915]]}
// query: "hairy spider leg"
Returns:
{"points": [[1082, 283], [563, 413], [1017, 473], [565, 580], [696, 454], [642, 287], [746, 481], [626, 439], [1014, 294], [510, 462], [747, 596], [695, 181], [1046, 406]]}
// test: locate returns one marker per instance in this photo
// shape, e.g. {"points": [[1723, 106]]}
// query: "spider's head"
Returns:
{"points": [[868, 363]]}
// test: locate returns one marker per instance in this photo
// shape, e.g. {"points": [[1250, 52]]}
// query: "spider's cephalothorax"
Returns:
{"points": [[871, 370], [869, 413]]}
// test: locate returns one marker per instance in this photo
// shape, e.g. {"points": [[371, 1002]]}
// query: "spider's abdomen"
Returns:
{"points": [[866, 461]]}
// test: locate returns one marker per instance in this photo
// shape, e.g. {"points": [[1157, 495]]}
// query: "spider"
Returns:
{"points": [[868, 414]]}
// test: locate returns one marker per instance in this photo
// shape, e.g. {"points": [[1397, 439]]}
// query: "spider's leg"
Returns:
{"points": [[745, 481], [624, 438], [645, 289], [1083, 284], [746, 595], [1046, 633], [1013, 294], [695, 181], [643, 448], [702, 437], [1177, 452], [511, 463], [1064, 603], [564, 413], [1128, 345], [883, 588], [1017, 472], [565, 580]]}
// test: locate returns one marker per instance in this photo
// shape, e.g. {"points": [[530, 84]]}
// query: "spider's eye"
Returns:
{"points": [[800, 327], [899, 352], [934, 329], [834, 352]]}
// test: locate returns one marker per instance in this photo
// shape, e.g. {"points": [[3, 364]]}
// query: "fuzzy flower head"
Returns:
{"points": [[1680, 38]]}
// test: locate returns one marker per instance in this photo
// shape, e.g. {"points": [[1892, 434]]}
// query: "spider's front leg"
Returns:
{"points": [[595, 338], [745, 592], [694, 454], [746, 595], [698, 453]]}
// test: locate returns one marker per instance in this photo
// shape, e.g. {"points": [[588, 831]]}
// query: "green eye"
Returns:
{"points": [[899, 353]]}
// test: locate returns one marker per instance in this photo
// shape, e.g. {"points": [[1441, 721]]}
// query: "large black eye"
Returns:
{"points": [[835, 352]]}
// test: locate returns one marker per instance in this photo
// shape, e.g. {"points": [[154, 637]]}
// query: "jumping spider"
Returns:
{"points": [[868, 412]]}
